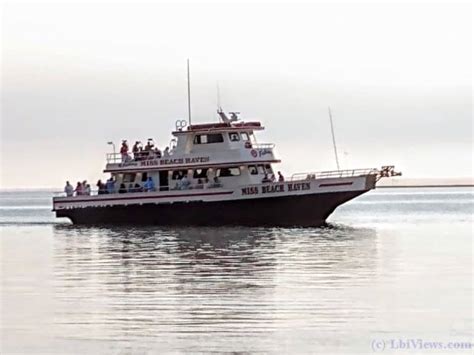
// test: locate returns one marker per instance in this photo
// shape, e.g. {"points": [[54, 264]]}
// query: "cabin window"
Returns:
{"points": [[253, 170], [200, 173], [234, 137], [144, 177], [178, 173], [200, 139], [268, 169], [129, 177], [208, 138], [230, 171], [261, 169], [245, 136], [215, 138]]}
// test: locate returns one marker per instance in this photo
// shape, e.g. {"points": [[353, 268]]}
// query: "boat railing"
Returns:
{"points": [[116, 191], [113, 158], [116, 158], [334, 174]]}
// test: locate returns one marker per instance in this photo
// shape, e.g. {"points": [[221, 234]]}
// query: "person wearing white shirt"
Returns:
{"points": [[184, 184], [69, 189]]}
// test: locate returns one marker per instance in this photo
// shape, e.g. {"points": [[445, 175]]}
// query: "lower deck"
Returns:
{"points": [[305, 202]]}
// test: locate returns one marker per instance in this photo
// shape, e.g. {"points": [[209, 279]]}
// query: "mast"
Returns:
{"points": [[218, 96], [189, 97], [333, 138]]}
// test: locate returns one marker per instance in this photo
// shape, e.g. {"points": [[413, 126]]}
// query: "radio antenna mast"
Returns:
{"points": [[189, 96], [218, 96], [333, 138], [222, 116]]}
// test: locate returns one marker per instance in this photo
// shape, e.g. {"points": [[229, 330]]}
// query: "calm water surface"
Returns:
{"points": [[394, 265]]}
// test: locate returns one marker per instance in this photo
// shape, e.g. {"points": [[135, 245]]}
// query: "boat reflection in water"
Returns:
{"points": [[212, 289]]}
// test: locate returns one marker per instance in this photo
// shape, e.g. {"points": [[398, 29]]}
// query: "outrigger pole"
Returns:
{"points": [[189, 97], [333, 138]]}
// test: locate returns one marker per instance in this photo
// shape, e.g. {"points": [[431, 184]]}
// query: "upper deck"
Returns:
{"points": [[201, 145]]}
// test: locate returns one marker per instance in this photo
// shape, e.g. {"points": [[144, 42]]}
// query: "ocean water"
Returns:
{"points": [[393, 273]]}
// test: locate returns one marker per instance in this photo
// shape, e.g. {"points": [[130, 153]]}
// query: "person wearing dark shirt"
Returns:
{"points": [[101, 187], [280, 177]]}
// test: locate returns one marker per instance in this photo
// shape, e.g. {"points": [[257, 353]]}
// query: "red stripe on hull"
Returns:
{"points": [[143, 197], [336, 184]]}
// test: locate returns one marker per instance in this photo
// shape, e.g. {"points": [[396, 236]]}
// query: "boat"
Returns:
{"points": [[213, 174]]}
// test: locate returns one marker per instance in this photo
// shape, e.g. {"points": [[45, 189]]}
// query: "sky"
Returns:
{"points": [[397, 76]]}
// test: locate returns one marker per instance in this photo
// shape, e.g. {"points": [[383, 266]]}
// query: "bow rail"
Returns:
{"points": [[384, 171]]}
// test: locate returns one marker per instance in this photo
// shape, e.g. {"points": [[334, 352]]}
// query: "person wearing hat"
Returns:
{"points": [[136, 150]]}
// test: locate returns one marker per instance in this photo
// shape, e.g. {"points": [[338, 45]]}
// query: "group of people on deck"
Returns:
{"points": [[148, 186], [140, 152], [182, 183], [82, 189], [272, 178], [106, 188]]}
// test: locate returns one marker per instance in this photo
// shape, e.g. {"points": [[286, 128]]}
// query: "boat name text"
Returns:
{"points": [[171, 161], [266, 189]]}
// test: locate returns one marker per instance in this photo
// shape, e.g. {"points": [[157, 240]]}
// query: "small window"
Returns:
{"points": [[245, 136], [253, 170], [231, 171], [200, 139], [200, 173], [144, 177], [234, 137], [261, 169], [177, 174], [128, 177]]}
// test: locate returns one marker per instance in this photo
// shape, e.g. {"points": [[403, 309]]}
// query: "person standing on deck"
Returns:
{"points": [[124, 151], [101, 187], [110, 186], [68, 189], [149, 185], [79, 189], [184, 183], [281, 178], [136, 150]]}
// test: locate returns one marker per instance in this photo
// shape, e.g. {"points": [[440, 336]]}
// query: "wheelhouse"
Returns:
{"points": [[207, 155]]}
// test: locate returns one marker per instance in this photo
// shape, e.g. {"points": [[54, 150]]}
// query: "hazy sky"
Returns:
{"points": [[398, 78]]}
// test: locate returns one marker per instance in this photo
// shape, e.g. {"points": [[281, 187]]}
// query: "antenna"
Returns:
{"points": [[333, 138], [189, 96], [222, 116], [218, 96]]}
